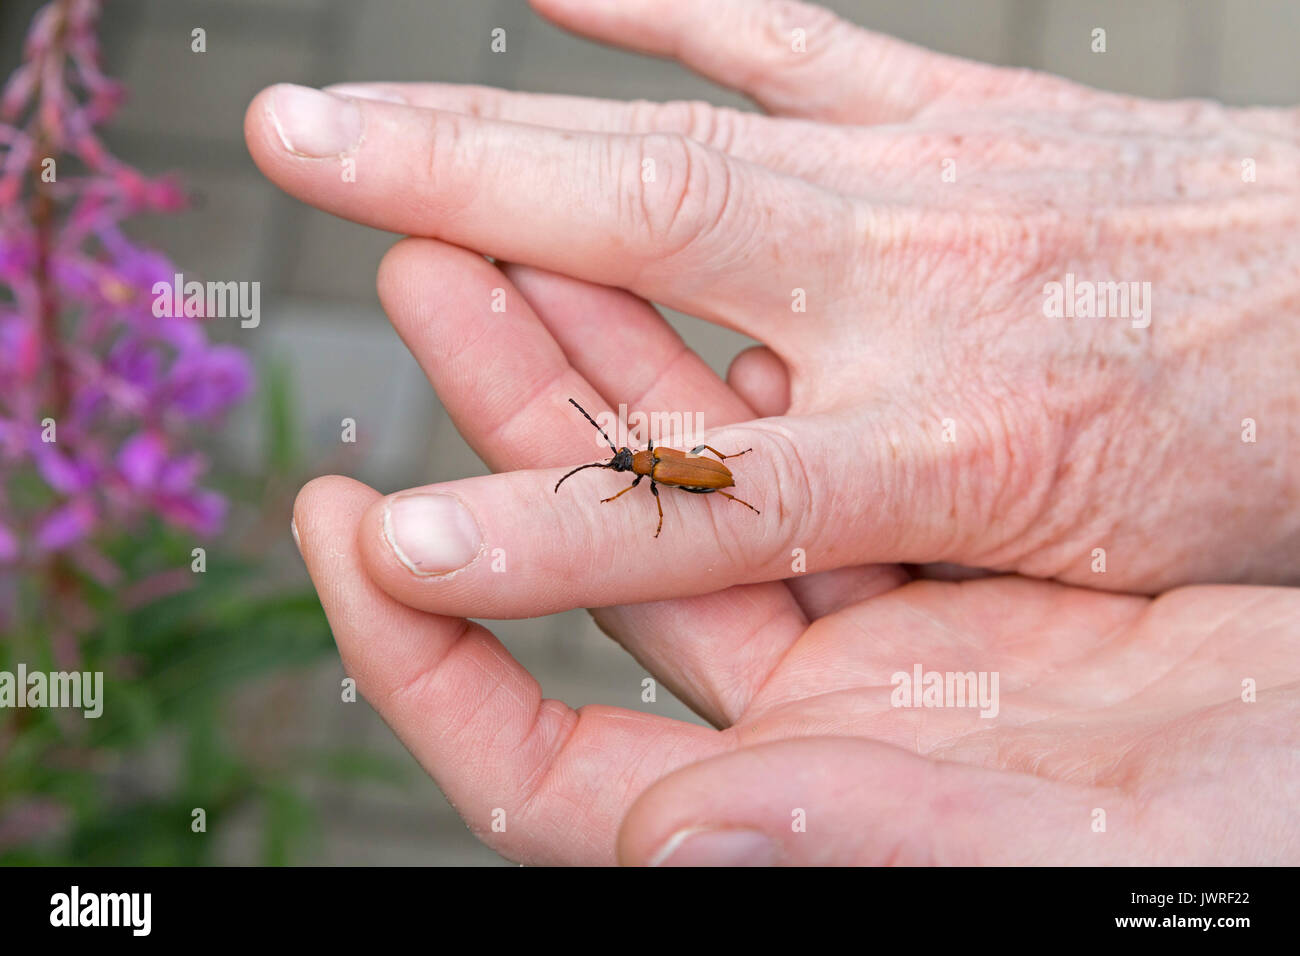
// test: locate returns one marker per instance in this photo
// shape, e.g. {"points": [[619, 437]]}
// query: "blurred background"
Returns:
{"points": [[324, 351]]}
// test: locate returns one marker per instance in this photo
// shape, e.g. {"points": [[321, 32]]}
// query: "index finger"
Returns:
{"points": [[659, 214]]}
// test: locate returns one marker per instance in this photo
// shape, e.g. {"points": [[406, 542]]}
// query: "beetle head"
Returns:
{"points": [[622, 460]]}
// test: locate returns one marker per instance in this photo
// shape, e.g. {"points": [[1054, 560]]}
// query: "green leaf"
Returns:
{"points": [[280, 429]]}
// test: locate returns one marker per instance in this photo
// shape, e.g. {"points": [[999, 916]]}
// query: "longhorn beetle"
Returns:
{"points": [[666, 466]]}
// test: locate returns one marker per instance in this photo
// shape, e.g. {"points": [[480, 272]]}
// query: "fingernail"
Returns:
{"points": [[365, 93], [293, 530], [431, 533], [704, 847], [314, 124]]}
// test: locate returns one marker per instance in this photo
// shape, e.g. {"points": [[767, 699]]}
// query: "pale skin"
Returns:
{"points": [[924, 303]]}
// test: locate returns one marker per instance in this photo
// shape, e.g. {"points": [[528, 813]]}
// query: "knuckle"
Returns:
{"points": [[788, 501], [714, 126], [777, 19], [680, 194], [444, 150], [1008, 465]]}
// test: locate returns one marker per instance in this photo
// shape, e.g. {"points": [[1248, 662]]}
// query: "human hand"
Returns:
{"points": [[1104, 702], [1112, 710], [925, 298]]}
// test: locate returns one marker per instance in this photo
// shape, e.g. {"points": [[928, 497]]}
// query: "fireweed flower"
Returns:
{"points": [[97, 395]]}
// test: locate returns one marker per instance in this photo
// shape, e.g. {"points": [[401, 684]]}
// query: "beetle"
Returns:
{"points": [[666, 466]]}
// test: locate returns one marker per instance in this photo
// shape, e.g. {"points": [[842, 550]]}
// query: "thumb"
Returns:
{"points": [[837, 801], [794, 59]]}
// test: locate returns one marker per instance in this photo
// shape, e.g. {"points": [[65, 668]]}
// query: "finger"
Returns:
{"points": [[826, 592], [830, 491], [750, 631], [576, 548], [443, 302], [495, 366], [508, 545], [625, 350], [830, 156], [749, 627], [530, 776], [852, 802], [760, 377], [793, 59], [660, 215]]}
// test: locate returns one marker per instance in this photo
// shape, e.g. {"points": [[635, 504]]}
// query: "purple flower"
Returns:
{"points": [[180, 475], [135, 361], [65, 525], [124, 387], [62, 472], [203, 512], [17, 255], [19, 347], [170, 484], [203, 384], [141, 460], [8, 546], [137, 267]]}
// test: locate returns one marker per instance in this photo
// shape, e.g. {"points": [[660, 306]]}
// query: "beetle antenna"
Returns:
{"points": [[594, 425], [578, 469]]}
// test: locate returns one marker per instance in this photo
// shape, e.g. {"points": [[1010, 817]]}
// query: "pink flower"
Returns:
{"points": [[141, 459], [124, 387], [62, 472], [65, 525], [8, 546]]}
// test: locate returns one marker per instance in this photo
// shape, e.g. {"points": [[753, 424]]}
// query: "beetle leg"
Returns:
{"points": [[655, 488], [635, 482], [745, 503], [698, 448]]}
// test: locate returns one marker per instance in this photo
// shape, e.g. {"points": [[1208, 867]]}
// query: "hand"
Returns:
{"points": [[924, 408], [1105, 702], [1112, 709], [566, 779]]}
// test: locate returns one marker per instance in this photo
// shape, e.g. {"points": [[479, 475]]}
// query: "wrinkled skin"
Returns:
{"points": [[924, 303]]}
